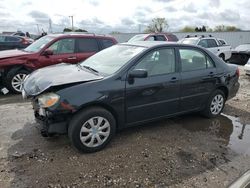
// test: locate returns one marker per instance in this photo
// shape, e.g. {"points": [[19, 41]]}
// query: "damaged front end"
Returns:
{"points": [[51, 111]]}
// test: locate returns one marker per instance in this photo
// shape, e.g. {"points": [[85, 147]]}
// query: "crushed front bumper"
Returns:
{"points": [[50, 123]]}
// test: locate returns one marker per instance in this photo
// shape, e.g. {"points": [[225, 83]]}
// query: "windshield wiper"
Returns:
{"points": [[89, 68]]}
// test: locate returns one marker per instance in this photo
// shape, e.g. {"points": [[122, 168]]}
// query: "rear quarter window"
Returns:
{"points": [[106, 43], [172, 38], [87, 45]]}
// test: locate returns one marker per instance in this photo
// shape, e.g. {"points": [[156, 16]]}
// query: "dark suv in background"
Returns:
{"points": [[8, 42], [52, 49]]}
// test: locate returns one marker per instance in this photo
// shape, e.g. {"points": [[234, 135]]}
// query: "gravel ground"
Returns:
{"points": [[186, 151]]}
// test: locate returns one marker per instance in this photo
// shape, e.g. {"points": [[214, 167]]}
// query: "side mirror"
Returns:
{"points": [[48, 52], [138, 73]]}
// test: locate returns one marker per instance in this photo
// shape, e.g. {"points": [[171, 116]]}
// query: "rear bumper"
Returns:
{"points": [[233, 91]]}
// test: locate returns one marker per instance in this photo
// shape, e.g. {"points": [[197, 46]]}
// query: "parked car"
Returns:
{"points": [[241, 54], [15, 65], [211, 43], [8, 42], [154, 37], [247, 68], [125, 85]]}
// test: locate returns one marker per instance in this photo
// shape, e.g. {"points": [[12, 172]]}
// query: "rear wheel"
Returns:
{"points": [[215, 104], [15, 79], [222, 56], [91, 129]]}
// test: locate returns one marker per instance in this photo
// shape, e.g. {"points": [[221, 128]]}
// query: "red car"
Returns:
{"points": [[52, 49], [154, 37]]}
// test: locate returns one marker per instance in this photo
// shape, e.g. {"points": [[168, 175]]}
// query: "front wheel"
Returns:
{"points": [[215, 104], [15, 79], [91, 129]]}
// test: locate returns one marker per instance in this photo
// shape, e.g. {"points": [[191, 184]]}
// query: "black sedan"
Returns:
{"points": [[126, 85], [8, 42]]}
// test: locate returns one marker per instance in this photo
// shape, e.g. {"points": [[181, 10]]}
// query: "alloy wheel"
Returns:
{"points": [[17, 81]]}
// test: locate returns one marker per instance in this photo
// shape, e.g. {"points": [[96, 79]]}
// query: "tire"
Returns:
{"points": [[222, 56], [84, 133], [15, 78], [215, 104]]}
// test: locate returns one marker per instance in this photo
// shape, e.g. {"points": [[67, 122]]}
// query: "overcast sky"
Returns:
{"points": [[104, 16]]}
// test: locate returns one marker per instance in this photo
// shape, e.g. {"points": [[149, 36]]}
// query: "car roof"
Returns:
{"points": [[149, 44], [79, 35]]}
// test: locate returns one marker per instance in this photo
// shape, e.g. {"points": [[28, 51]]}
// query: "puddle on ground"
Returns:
{"points": [[236, 134]]}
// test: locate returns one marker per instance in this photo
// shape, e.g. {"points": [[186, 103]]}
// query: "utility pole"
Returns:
{"points": [[38, 30], [50, 26], [72, 17]]}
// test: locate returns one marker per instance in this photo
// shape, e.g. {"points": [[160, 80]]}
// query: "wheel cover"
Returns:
{"points": [[95, 131], [17, 81], [217, 104]]}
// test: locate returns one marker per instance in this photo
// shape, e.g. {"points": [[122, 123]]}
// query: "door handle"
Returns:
{"points": [[71, 58], [173, 80], [211, 74], [218, 50]]}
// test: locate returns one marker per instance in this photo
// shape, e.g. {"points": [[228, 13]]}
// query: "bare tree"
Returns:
{"points": [[157, 25]]}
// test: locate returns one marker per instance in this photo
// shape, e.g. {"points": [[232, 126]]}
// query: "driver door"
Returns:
{"points": [[63, 52], [156, 95]]}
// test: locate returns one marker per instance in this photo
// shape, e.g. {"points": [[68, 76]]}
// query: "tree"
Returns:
{"points": [[203, 28], [221, 28], [81, 30], [187, 29], [157, 25], [67, 30], [115, 32]]}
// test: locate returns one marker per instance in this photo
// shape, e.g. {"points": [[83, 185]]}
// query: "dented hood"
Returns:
{"points": [[56, 75], [12, 53]]}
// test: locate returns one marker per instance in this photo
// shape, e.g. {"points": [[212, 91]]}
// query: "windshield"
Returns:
{"points": [[243, 47], [189, 41], [110, 60], [39, 44], [137, 38]]}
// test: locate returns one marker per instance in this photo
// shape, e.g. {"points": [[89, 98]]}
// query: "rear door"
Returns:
{"points": [[86, 47], [158, 94], [198, 78], [210, 44], [63, 52]]}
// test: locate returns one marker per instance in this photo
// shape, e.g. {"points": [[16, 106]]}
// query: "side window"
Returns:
{"points": [[203, 43], [87, 45], [106, 43], [211, 43], [160, 38], [63, 46], [151, 38], [12, 39], [192, 60], [161, 61], [2, 38]]}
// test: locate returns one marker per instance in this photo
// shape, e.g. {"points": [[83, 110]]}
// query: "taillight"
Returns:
{"points": [[238, 72]]}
